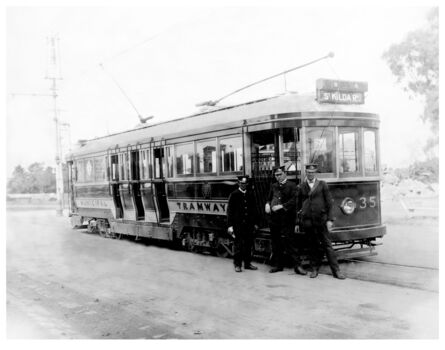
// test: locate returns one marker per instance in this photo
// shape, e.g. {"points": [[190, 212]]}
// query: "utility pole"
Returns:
{"points": [[53, 75]]}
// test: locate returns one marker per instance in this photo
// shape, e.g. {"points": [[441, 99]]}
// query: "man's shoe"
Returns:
{"points": [[299, 270], [339, 275], [250, 267], [275, 269], [314, 273], [237, 268]]}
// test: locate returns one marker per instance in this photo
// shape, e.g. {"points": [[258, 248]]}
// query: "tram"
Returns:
{"points": [[171, 180]]}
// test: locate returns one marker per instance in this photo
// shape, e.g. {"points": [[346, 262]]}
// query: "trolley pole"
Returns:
{"points": [[53, 75]]}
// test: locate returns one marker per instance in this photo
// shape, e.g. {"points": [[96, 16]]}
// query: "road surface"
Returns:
{"points": [[68, 284]]}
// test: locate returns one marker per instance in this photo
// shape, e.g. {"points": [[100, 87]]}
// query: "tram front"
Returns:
{"points": [[342, 138]]}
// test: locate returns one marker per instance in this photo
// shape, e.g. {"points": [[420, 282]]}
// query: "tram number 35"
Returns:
{"points": [[367, 202]]}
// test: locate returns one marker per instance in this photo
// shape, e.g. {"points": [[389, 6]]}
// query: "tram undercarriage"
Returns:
{"points": [[215, 242]]}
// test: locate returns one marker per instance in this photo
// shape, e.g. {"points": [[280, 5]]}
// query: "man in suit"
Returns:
{"points": [[315, 203], [242, 223], [281, 207]]}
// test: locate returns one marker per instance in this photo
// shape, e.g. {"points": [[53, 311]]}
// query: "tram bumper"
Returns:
{"points": [[354, 234]]}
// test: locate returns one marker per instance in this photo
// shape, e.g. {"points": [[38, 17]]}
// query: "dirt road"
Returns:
{"points": [[70, 284]]}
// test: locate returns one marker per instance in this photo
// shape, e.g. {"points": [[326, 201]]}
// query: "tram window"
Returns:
{"points": [[184, 159], [144, 165], [134, 164], [263, 150], [370, 151], [169, 159], [99, 169], [123, 166], [114, 168], [161, 156], [89, 174], [290, 154], [231, 154], [114, 172], [348, 148], [321, 148], [158, 156], [127, 165], [206, 156], [80, 171]]}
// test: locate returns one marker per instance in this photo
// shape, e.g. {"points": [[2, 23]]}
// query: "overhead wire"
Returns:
{"points": [[127, 50], [141, 43], [213, 103], [122, 90]]}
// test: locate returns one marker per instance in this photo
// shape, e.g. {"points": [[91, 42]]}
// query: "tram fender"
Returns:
{"points": [[358, 233]]}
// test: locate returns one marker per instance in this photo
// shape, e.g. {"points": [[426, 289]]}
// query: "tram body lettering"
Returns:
{"points": [[341, 97], [203, 207], [93, 203]]}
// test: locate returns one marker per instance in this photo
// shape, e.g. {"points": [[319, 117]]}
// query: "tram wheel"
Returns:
{"points": [[102, 228], [187, 242], [92, 228], [102, 232]]}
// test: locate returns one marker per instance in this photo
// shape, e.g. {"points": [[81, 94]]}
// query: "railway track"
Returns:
{"points": [[402, 275], [392, 264]]}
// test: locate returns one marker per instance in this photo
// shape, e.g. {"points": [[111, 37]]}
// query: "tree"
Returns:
{"points": [[426, 171], [49, 180], [18, 182], [36, 172], [36, 179], [415, 63]]}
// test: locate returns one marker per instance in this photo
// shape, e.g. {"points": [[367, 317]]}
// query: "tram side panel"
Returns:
{"points": [[94, 201], [198, 220], [198, 211]]}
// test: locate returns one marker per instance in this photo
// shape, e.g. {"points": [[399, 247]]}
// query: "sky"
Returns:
{"points": [[118, 62]]}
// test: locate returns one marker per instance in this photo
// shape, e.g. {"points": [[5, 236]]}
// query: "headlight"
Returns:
{"points": [[348, 206]]}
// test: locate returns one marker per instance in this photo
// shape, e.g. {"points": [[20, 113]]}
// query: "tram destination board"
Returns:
{"points": [[341, 91], [340, 97]]}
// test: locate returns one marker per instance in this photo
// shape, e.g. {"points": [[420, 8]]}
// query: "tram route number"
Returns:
{"points": [[367, 202]]}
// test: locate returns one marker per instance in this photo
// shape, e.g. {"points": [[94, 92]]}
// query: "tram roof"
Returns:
{"points": [[276, 105]]}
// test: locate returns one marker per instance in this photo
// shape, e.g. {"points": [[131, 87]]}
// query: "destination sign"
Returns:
{"points": [[205, 207], [341, 85], [340, 97], [341, 91]]}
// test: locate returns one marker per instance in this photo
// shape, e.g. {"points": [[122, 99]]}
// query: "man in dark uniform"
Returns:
{"points": [[314, 200], [281, 207], [242, 223]]}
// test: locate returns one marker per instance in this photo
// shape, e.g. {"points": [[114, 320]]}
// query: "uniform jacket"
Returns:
{"points": [[283, 194], [316, 204], [241, 210]]}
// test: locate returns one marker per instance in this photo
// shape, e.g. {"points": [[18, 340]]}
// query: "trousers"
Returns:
{"points": [[319, 244], [243, 245], [281, 231]]}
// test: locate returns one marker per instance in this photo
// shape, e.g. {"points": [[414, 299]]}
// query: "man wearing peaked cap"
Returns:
{"points": [[314, 202], [242, 223], [280, 206], [311, 167], [243, 179]]}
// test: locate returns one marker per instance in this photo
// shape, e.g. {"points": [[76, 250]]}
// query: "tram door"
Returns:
{"points": [[159, 184], [115, 186], [135, 185], [272, 148]]}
